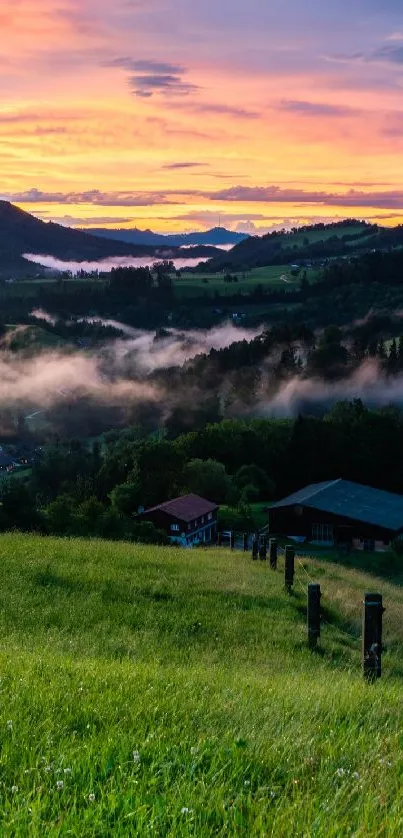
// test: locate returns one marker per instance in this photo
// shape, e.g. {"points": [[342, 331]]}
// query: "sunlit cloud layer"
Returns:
{"points": [[177, 115]]}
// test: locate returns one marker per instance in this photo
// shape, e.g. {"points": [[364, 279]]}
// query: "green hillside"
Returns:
{"points": [[314, 243], [150, 691]]}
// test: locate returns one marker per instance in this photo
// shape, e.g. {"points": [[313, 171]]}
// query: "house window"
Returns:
{"points": [[202, 520], [175, 527], [210, 516], [322, 533]]}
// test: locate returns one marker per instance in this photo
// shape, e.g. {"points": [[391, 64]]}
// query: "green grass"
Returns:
{"points": [[274, 276], [232, 519], [171, 693], [314, 236]]}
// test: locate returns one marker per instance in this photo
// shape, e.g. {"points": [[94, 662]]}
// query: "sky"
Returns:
{"points": [[177, 115]]}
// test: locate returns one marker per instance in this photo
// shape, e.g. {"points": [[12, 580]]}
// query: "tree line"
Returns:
{"points": [[92, 490]]}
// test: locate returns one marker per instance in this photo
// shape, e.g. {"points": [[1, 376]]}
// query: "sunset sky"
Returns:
{"points": [[175, 114]]}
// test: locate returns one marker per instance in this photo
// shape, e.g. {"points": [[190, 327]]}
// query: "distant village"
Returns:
{"points": [[18, 457]]}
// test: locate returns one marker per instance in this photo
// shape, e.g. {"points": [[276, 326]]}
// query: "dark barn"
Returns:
{"points": [[187, 520], [340, 513]]}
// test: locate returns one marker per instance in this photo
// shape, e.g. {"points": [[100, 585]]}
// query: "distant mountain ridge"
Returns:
{"points": [[217, 236], [21, 232]]}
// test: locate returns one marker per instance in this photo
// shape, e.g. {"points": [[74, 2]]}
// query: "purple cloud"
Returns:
{"points": [[149, 77], [275, 194], [316, 108], [390, 53], [94, 197]]}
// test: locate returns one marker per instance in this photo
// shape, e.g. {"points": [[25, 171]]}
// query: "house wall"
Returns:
{"points": [[299, 520]]}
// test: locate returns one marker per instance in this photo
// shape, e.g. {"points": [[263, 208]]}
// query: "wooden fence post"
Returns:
{"points": [[245, 542], [263, 549], [372, 636], [314, 596], [273, 553], [255, 549], [289, 568]]}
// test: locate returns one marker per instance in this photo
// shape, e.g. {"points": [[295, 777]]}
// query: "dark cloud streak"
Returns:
{"points": [[149, 77]]}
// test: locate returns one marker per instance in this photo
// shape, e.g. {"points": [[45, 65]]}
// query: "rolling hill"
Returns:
{"points": [[153, 690], [22, 233], [313, 243]]}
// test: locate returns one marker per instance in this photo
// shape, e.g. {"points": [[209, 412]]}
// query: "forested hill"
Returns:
{"points": [[22, 233], [317, 242]]}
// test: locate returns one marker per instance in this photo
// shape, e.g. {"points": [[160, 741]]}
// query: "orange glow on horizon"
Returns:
{"points": [[92, 136]]}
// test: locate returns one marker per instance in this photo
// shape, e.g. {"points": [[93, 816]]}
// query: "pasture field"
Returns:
{"points": [[154, 691], [188, 286], [313, 236], [274, 276]]}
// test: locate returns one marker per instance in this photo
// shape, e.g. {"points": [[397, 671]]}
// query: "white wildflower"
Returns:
{"points": [[247, 783], [67, 770], [9, 725], [91, 798], [136, 757], [340, 772], [186, 811], [356, 775], [14, 789], [60, 785]]}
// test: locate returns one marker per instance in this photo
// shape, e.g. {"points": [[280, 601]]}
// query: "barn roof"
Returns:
{"points": [[186, 508], [351, 500]]}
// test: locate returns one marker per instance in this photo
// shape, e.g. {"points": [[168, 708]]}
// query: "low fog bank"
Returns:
{"points": [[78, 389], [301, 395], [149, 353], [106, 265]]}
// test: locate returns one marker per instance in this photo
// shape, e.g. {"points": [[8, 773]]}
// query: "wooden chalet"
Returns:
{"points": [[187, 520]]}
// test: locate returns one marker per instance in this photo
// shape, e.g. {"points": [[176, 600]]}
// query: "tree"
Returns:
{"points": [[393, 358], [126, 497], [146, 533], [257, 477], [207, 478], [18, 508], [160, 464], [59, 515], [88, 518], [250, 494]]}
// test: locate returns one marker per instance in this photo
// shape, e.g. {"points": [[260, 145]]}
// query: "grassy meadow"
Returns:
{"points": [[272, 277], [148, 691]]}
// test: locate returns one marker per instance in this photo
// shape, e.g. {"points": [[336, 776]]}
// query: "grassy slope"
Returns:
{"points": [[198, 661], [193, 284]]}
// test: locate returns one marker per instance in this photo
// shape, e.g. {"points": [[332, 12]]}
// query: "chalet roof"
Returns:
{"points": [[351, 500], [186, 508]]}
